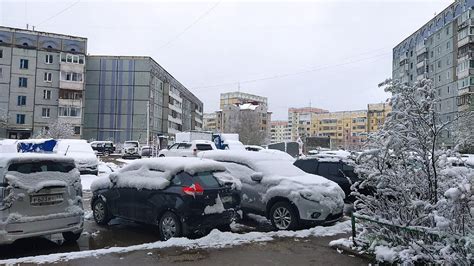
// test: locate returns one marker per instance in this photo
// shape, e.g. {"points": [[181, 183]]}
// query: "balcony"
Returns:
{"points": [[198, 119], [70, 102], [175, 120], [421, 50], [465, 40], [421, 64], [468, 89], [175, 108], [71, 85], [466, 23], [175, 96]]}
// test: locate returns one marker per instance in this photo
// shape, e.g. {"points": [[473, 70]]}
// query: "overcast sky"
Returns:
{"points": [[331, 54]]}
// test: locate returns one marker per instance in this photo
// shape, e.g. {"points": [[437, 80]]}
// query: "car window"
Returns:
{"points": [[205, 179], [328, 169], [309, 166], [184, 146], [203, 147], [35, 167]]}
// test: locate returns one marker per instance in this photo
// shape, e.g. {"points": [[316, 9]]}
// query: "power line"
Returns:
{"points": [[278, 76], [203, 15], [59, 13]]}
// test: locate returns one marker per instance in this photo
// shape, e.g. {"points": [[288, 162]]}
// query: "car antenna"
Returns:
{"points": [[67, 150]]}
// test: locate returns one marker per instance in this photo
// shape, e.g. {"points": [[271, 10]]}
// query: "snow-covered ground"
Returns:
{"points": [[215, 239]]}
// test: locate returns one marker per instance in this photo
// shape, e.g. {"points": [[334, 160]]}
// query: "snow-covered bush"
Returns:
{"points": [[57, 130], [422, 207]]}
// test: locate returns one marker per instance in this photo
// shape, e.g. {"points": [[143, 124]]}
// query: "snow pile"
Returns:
{"points": [[155, 173], [215, 239], [216, 208], [385, 254]]}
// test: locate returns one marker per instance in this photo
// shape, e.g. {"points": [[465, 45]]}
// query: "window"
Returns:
{"points": [[77, 130], [448, 89], [448, 45], [439, 64], [71, 76], [1, 73], [49, 59], [447, 31], [48, 76], [23, 64], [21, 100], [68, 94], [45, 112], [22, 82], [69, 111], [1, 53], [20, 119], [439, 77], [74, 59], [47, 94]]}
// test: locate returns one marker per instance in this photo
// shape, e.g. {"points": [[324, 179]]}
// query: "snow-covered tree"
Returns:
{"points": [[247, 124], [3, 117], [57, 130], [423, 205]]}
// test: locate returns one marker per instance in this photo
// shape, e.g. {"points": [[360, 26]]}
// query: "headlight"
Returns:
{"points": [[307, 196]]}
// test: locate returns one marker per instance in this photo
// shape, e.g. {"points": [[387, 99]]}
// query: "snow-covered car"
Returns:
{"points": [[146, 151], [274, 187], [40, 194], [187, 149], [103, 147], [180, 195], [131, 149], [253, 148], [85, 158]]}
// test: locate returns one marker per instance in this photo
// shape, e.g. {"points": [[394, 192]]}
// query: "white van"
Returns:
{"points": [[40, 194]]}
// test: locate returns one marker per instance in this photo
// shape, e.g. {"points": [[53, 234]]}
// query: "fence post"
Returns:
{"points": [[353, 222]]}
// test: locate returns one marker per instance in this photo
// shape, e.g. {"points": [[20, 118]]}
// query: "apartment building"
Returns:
{"points": [[376, 115], [41, 81], [239, 98], [346, 129], [126, 95], [442, 50], [210, 122], [300, 121], [279, 132]]}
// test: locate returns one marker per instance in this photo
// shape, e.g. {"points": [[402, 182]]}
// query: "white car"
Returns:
{"points": [[131, 149], [187, 149], [85, 158], [40, 194], [274, 187]]}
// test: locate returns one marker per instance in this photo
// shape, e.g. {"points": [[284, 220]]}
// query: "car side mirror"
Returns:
{"points": [[257, 177]]}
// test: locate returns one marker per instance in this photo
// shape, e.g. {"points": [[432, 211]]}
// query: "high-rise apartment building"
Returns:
{"points": [[239, 98], [124, 91], [41, 81], [300, 119], [442, 50], [279, 132]]}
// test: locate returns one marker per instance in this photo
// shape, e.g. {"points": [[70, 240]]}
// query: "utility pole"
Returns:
{"points": [[147, 123]]}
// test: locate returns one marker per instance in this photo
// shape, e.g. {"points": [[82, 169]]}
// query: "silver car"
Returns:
{"points": [[39, 195], [274, 187]]}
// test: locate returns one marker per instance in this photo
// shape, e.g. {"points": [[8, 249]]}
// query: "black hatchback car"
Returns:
{"points": [[181, 196], [334, 169]]}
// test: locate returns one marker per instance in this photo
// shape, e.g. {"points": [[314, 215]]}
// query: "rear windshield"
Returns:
{"points": [[203, 147], [205, 179], [36, 167]]}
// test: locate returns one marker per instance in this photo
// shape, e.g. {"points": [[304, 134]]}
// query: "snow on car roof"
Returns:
{"points": [[243, 156], [6, 158], [156, 173]]}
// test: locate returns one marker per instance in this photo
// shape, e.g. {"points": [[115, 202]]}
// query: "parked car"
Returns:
{"points": [[334, 169], [146, 151], [131, 150], [103, 147], [274, 187], [187, 149], [180, 195], [40, 194], [82, 153]]}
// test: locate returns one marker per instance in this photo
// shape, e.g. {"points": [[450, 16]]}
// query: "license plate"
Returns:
{"points": [[226, 199], [46, 199]]}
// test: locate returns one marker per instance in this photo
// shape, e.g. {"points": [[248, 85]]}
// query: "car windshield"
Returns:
{"points": [[131, 144], [203, 147], [35, 167], [278, 167]]}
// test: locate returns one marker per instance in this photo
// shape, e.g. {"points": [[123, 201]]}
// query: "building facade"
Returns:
{"points": [[41, 81], [441, 50], [239, 98], [376, 115], [279, 132], [126, 95], [300, 119]]}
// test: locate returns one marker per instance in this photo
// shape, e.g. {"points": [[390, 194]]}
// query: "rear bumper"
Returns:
{"points": [[10, 232], [88, 170], [194, 224]]}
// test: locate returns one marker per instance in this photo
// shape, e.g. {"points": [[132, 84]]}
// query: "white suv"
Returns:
{"points": [[39, 195], [188, 149]]}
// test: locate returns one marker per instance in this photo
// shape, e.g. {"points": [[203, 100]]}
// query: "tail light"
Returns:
{"points": [[193, 190]]}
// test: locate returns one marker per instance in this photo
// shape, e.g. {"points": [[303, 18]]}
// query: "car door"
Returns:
{"points": [[172, 150], [126, 203], [184, 150], [251, 196]]}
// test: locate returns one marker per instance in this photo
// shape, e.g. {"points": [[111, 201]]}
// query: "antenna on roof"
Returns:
{"points": [[27, 26]]}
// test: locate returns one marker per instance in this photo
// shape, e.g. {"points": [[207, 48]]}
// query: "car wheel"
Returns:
{"points": [[100, 212], [161, 155], [71, 236], [169, 226], [283, 216]]}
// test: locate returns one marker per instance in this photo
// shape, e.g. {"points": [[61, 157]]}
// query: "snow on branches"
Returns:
{"points": [[57, 130], [414, 183]]}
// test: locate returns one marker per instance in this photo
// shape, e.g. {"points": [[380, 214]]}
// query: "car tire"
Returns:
{"points": [[169, 226], [100, 212], [161, 155], [283, 216], [71, 236]]}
